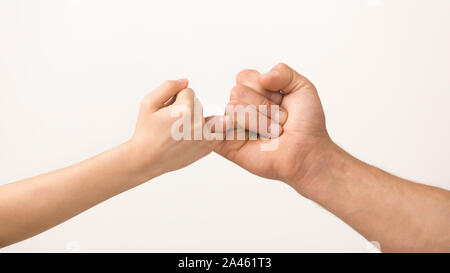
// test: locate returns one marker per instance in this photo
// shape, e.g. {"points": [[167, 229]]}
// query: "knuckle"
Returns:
{"points": [[245, 75], [187, 98], [232, 103], [189, 92], [231, 106], [238, 91], [145, 102], [282, 66]]}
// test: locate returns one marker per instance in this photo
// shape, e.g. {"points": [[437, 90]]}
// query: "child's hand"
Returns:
{"points": [[154, 145], [33, 205]]}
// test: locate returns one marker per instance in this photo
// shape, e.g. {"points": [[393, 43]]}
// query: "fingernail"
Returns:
{"points": [[271, 73], [279, 115], [274, 129], [183, 81], [283, 115], [276, 97]]}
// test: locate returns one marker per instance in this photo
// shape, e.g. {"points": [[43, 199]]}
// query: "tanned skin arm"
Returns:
{"points": [[400, 215]]}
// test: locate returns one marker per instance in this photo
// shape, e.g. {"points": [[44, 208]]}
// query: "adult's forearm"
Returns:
{"points": [[399, 214], [36, 204]]}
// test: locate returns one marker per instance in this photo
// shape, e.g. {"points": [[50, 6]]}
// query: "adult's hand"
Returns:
{"points": [[304, 138], [399, 215]]}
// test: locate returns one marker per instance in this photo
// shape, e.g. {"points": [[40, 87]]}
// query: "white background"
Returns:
{"points": [[72, 74]]}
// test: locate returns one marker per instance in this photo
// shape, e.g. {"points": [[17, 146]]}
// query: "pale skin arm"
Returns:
{"points": [[33, 205], [398, 214]]}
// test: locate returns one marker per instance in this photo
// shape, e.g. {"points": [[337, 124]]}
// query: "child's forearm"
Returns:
{"points": [[36, 204]]}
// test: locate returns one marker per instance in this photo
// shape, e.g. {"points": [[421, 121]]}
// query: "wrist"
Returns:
{"points": [[137, 166], [326, 162]]}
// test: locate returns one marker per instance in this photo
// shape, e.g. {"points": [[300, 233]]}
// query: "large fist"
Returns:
{"points": [[303, 138]]}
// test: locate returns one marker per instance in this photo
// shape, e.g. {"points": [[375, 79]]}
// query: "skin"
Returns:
{"points": [[33, 205], [399, 214], [402, 216]]}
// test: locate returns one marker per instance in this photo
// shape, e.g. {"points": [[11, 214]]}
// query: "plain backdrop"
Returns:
{"points": [[72, 74]]}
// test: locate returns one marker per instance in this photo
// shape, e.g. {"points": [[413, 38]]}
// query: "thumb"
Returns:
{"points": [[156, 99], [283, 78]]}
